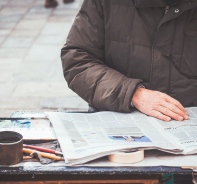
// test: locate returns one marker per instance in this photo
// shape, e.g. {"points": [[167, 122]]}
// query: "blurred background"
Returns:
{"points": [[31, 37]]}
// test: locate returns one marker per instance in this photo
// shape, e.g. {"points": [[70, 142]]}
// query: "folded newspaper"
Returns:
{"points": [[87, 136]]}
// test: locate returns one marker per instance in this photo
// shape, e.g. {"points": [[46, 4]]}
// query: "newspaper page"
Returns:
{"points": [[183, 133], [87, 136]]}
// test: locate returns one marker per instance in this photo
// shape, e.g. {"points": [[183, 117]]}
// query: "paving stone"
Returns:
{"points": [[43, 53], [32, 75], [31, 38], [31, 24], [40, 9], [39, 89], [51, 39], [39, 2], [5, 76], [2, 38], [36, 16], [65, 103], [21, 2], [60, 18], [7, 25], [24, 33], [10, 62], [66, 12], [50, 71], [56, 28], [7, 65], [6, 89], [15, 103], [5, 32], [13, 10], [4, 2], [12, 52], [10, 18], [18, 42]]}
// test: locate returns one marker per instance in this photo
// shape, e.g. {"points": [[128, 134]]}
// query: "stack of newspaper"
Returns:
{"points": [[87, 136]]}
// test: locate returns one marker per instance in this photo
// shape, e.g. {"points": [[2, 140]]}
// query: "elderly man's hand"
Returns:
{"points": [[158, 105]]}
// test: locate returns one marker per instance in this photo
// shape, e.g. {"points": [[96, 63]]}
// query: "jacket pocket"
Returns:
{"points": [[188, 65]]}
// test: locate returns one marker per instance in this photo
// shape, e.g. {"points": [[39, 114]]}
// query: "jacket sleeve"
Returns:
{"points": [[83, 63]]}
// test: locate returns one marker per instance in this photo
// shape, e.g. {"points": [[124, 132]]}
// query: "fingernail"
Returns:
{"points": [[180, 118], [186, 117], [186, 113]]}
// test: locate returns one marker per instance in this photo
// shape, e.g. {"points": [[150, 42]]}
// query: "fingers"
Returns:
{"points": [[172, 114], [176, 103], [160, 116], [174, 109]]}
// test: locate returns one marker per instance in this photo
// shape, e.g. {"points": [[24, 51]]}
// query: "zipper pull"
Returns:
{"points": [[166, 9]]}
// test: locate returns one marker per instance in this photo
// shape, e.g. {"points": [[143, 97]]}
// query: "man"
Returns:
{"points": [[126, 54]]}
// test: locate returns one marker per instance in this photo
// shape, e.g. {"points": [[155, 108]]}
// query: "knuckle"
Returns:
{"points": [[161, 116], [177, 103], [156, 107], [171, 107], [166, 110]]}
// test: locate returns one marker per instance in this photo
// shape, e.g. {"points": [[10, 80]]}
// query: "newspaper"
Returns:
{"points": [[86, 136]]}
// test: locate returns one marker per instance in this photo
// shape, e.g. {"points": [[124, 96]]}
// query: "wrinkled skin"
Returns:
{"points": [[159, 105]]}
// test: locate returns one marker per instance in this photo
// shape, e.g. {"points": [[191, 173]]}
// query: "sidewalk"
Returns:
{"points": [[31, 38]]}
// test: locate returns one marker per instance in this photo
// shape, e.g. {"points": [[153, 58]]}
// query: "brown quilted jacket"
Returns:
{"points": [[115, 44]]}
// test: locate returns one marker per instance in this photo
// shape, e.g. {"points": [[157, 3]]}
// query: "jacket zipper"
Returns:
{"points": [[166, 9]]}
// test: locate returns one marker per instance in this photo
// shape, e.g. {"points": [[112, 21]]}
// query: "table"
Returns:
{"points": [[71, 175], [84, 174]]}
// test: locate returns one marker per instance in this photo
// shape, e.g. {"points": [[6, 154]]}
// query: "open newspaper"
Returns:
{"points": [[87, 136]]}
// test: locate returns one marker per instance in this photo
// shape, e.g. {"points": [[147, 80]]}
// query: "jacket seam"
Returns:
{"points": [[173, 38], [170, 63], [130, 69], [181, 62], [138, 45], [151, 65]]}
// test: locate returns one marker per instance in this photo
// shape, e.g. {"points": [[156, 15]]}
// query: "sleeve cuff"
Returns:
{"points": [[140, 85]]}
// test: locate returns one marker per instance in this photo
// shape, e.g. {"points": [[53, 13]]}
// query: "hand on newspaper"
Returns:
{"points": [[158, 105]]}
